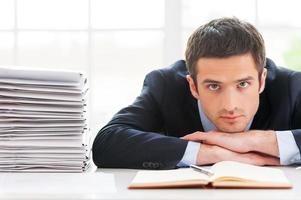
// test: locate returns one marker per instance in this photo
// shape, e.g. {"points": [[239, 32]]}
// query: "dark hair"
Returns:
{"points": [[222, 38]]}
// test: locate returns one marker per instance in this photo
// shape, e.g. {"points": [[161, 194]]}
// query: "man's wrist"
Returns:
{"points": [[264, 142], [207, 155]]}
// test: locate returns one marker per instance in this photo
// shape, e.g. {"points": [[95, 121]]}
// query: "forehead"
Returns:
{"points": [[227, 69]]}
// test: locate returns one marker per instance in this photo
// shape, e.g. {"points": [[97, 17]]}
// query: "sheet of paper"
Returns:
{"points": [[162, 176], [64, 151], [39, 88], [44, 108], [4, 99], [17, 75], [39, 143], [40, 133], [39, 129], [47, 96]]}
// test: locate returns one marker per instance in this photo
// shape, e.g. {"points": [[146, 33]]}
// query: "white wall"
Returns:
{"points": [[116, 42]]}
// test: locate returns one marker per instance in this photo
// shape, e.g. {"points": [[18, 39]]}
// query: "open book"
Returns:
{"points": [[226, 174]]}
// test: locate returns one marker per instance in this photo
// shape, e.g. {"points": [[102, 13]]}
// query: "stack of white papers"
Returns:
{"points": [[42, 121]]}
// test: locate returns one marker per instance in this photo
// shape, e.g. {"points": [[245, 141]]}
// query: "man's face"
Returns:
{"points": [[228, 89]]}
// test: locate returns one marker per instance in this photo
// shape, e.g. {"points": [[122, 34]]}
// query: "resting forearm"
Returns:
{"points": [[130, 148], [264, 142], [210, 154]]}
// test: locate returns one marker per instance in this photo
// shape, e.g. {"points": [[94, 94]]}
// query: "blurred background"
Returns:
{"points": [[116, 42]]}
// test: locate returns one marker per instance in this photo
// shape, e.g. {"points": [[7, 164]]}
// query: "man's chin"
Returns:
{"points": [[231, 128]]}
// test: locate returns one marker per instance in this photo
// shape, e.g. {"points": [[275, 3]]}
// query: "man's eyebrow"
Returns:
{"points": [[211, 81], [248, 78]]}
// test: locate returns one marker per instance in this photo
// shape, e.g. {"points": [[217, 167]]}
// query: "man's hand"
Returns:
{"points": [[209, 154], [250, 141]]}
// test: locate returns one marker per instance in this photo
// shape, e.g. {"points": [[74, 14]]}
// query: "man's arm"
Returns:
{"points": [[204, 154], [296, 122], [243, 142], [280, 144], [135, 138], [209, 154]]}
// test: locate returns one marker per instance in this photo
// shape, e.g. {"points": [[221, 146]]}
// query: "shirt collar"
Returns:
{"points": [[207, 124]]}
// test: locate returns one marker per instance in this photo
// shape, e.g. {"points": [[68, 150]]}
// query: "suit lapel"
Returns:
{"points": [[261, 119], [192, 111]]}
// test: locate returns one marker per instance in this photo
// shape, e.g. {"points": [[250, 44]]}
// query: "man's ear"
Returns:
{"points": [[262, 80], [192, 86]]}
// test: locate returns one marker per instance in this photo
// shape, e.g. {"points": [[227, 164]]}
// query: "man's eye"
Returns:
{"points": [[213, 87], [243, 84]]}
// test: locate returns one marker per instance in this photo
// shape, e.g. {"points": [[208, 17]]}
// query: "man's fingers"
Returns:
{"points": [[270, 160], [233, 141], [273, 161], [197, 136], [216, 138]]}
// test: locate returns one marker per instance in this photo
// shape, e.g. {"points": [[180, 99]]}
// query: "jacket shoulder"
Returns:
{"points": [[283, 81], [172, 77], [176, 69]]}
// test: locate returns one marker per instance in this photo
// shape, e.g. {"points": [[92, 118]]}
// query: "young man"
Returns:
{"points": [[225, 102]]}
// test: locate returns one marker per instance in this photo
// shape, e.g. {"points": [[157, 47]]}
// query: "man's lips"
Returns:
{"points": [[231, 118]]}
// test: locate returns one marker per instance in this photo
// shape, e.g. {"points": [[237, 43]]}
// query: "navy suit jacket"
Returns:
{"points": [[146, 133]]}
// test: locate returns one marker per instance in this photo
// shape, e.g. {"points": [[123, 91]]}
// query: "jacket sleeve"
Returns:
{"points": [[135, 137], [296, 95], [297, 124]]}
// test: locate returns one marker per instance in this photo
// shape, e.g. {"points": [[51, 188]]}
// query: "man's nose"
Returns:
{"points": [[229, 101]]}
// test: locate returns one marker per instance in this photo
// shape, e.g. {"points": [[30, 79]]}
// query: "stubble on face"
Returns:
{"points": [[230, 108]]}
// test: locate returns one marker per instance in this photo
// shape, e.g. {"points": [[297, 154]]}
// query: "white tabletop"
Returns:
{"points": [[112, 184]]}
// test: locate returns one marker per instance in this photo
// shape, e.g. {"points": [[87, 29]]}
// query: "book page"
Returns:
{"points": [[165, 178], [235, 171]]}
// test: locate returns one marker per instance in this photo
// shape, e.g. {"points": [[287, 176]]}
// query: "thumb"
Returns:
{"points": [[197, 136]]}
